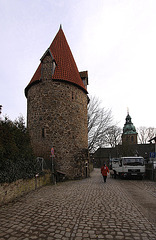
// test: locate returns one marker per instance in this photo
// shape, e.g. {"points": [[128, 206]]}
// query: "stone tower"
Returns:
{"points": [[57, 109], [129, 135]]}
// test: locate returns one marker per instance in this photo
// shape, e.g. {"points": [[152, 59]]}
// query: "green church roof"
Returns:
{"points": [[129, 128]]}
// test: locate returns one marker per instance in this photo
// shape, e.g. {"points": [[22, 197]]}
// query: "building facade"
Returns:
{"points": [[129, 147], [57, 110]]}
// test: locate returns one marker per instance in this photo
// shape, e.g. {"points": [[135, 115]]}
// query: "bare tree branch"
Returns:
{"points": [[145, 134], [113, 136], [99, 121]]}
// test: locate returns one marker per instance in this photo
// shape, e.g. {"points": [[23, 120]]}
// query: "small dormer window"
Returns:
{"points": [[53, 67]]}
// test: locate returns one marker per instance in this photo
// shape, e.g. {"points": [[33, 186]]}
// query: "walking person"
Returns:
{"points": [[104, 171]]}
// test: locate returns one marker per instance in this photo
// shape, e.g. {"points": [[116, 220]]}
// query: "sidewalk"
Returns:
{"points": [[85, 209]]}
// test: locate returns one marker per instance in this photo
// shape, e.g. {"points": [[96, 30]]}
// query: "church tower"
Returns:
{"points": [[57, 109], [129, 135]]}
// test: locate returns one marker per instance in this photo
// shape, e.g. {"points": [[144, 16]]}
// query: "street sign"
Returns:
{"points": [[52, 151], [152, 154]]}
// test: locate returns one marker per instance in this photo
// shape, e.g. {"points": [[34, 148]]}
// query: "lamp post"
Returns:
{"points": [[52, 164], [154, 157]]}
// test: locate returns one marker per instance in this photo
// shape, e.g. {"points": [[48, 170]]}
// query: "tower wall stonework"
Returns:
{"points": [[57, 116]]}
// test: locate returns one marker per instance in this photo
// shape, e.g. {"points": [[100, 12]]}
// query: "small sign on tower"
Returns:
{"points": [[52, 152]]}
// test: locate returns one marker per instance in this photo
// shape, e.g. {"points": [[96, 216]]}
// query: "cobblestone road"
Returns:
{"points": [[86, 209]]}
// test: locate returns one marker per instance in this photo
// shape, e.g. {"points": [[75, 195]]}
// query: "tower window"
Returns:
{"points": [[53, 67], [43, 132]]}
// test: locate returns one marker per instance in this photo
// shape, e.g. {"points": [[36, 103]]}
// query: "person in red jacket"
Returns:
{"points": [[104, 171]]}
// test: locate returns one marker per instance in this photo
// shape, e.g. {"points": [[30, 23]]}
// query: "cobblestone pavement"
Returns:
{"points": [[85, 209]]}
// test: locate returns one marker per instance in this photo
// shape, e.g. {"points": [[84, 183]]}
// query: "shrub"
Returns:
{"points": [[16, 156]]}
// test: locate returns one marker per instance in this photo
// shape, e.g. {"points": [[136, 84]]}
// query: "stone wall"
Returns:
{"points": [[11, 191], [150, 172], [57, 116]]}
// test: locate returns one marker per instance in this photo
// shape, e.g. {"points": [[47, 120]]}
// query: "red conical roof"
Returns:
{"points": [[66, 68]]}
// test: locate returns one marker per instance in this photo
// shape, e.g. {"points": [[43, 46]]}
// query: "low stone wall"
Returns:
{"points": [[150, 172], [11, 191]]}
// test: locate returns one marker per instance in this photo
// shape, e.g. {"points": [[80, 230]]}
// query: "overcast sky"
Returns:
{"points": [[115, 40]]}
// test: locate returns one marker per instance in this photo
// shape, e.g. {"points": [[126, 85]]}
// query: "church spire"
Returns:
{"points": [[129, 131]]}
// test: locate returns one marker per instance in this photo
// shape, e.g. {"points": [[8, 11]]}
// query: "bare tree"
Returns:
{"points": [[99, 121], [113, 136], [145, 134]]}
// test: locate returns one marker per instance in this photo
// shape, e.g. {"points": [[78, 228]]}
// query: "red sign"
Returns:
{"points": [[52, 151]]}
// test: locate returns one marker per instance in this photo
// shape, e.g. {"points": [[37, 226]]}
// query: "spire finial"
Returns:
{"points": [[60, 26], [127, 110]]}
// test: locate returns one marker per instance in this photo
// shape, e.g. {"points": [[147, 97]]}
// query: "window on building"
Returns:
{"points": [[53, 67], [43, 132]]}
